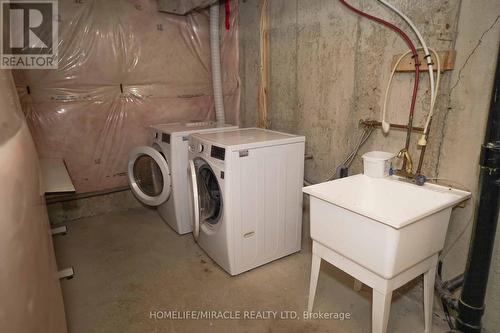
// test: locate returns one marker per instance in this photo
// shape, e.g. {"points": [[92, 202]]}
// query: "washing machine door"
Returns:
{"points": [[149, 175], [193, 195], [207, 195]]}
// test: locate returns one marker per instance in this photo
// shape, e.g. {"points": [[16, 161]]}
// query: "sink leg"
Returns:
{"points": [[429, 278], [316, 263], [381, 306]]}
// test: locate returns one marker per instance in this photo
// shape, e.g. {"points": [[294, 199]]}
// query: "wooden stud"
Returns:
{"points": [[264, 64]]}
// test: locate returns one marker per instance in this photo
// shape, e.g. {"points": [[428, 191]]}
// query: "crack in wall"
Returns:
{"points": [[472, 53], [354, 103], [457, 82]]}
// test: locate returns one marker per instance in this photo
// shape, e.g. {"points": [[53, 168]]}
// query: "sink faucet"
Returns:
{"points": [[405, 155]]}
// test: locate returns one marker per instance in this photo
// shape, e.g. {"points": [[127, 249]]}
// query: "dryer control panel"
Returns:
{"points": [[160, 137]]}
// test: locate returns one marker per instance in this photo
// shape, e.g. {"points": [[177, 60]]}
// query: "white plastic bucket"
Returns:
{"points": [[377, 163]]}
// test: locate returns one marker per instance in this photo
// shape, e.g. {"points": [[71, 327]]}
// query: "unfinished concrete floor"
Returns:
{"points": [[130, 263]]}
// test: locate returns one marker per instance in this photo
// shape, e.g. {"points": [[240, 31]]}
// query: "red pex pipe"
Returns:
{"points": [[410, 44], [227, 6]]}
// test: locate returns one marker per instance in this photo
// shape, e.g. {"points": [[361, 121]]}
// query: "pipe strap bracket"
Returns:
{"points": [[490, 156], [469, 316]]}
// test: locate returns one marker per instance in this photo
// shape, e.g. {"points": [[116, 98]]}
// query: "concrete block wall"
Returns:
{"points": [[328, 70]]}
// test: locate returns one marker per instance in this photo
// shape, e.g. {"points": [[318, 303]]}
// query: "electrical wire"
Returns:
{"points": [[350, 158], [449, 182], [446, 310], [452, 244], [363, 137]]}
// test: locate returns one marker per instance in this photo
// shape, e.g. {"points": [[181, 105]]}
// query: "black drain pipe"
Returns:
{"points": [[471, 303]]}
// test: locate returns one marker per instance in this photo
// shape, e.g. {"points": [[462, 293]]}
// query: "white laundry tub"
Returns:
{"points": [[384, 224]]}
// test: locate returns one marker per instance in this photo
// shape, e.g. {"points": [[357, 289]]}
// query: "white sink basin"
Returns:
{"points": [[384, 224]]}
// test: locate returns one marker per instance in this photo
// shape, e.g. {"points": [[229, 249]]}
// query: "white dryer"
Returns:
{"points": [[158, 174], [246, 195]]}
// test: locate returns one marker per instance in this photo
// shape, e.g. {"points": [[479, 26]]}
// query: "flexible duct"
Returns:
{"points": [[216, 67]]}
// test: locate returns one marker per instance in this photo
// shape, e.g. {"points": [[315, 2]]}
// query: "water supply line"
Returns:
{"points": [[385, 124], [410, 44], [422, 141], [216, 65], [418, 176]]}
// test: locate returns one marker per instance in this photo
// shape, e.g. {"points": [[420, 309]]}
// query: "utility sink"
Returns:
{"points": [[386, 225]]}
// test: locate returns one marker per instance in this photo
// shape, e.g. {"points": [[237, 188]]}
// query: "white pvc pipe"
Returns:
{"points": [[385, 124], [216, 67], [427, 56], [423, 138]]}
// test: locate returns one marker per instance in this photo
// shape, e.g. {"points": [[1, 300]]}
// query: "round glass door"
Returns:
{"points": [[149, 175], [209, 194]]}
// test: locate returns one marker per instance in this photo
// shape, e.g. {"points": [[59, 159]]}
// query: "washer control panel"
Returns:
{"points": [[206, 149], [218, 153]]}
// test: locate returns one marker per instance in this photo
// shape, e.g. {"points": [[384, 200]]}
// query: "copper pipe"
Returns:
{"points": [[408, 136], [374, 123], [420, 160], [422, 151]]}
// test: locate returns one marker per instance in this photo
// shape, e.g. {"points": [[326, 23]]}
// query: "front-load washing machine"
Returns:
{"points": [[158, 174], [246, 195]]}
